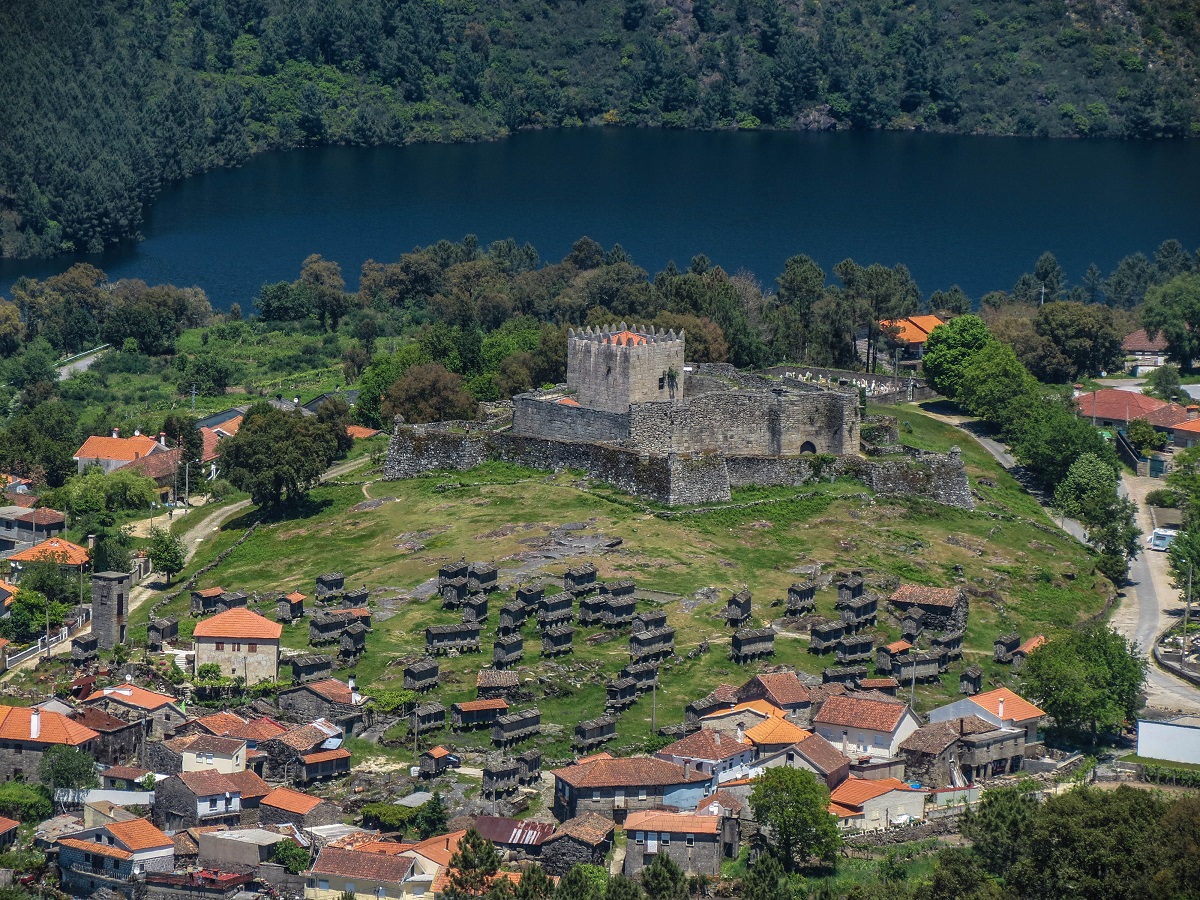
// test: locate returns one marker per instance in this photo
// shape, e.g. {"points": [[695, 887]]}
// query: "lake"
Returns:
{"points": [[968, 210]]}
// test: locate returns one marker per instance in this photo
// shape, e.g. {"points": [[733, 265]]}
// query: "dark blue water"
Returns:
{"points": [[967, 210]]}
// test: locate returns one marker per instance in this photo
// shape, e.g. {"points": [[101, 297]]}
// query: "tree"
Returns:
{"points": [[1089, 489], [578, 884], [621, 888], [1145, 437], [429, 393], [1173, 310], [291, 856], [949, 351], [277, 454], [1164, 383], [1089, 678], [322, 278], [167, 552], [1086, 334], [766, 880], [431, 817], [65, 768], [182, 431], [25, 802], [793, 807], [473, 867], [1001, 823], [960, 875], [664, 880], [31, 615], [989, 382], [535, 884]]}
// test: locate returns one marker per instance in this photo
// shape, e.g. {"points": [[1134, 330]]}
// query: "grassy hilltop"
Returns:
{"points": [[1035, 576]]}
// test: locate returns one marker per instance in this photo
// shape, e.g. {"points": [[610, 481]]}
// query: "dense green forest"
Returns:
{"points": [[107, 100]]}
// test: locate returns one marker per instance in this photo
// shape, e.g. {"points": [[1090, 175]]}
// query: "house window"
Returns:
{"points": [[666, 839], [237, 648], [349, 887], [253, 648], [662, 382], [220, 645], [212, 804], [17, 748], [641, 793], [640, 837], [322, 885], [208, 758], [595, 796], [690, 840]]}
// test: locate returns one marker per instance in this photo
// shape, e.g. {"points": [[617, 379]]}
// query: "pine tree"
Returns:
{"points": [[473, 867]]}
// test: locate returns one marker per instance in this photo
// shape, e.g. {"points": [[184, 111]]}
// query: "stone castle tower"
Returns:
{"points": [[613, 367], [110, 605]]}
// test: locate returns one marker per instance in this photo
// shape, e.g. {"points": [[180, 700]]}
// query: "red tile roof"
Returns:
{"points": [[7, 824], [1170, 415], [325, 756], [878, 683], [439, 849], [53, 728], [359, 432], [131, 695], [898, 647], [117, 448], [211, 439], [56, 549], [704, 744], [1140, 342], [481, 705], [1032, 644], [156, 465], [333, 690], [95, 847], [98, 720], [249, 784], [855, 712], [357, 864], [923, 595], [128, 773], [261, 729], [291, 801], [672, 823], [221, 723], [238, 623], [821, 754], [205, 784], [1016, 708], [43, 516], [857, 791], [784, 688], [634, 771], [139, 834], [723, 798], [914, 329], [296, 597], [1117, 406]]}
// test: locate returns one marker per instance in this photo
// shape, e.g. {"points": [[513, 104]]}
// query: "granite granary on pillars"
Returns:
{"points": [[311, 667], [492, 683], [516, 727], [427, 717], [476, 713], [824, 635], [507, 650], [501, 776], [752, 643], [161, 632], [622, 693], [594, 732], [529, 767], [512, 617], [801, 599], [580, 579], [551, 607], [482, 577], [444, 638], [854, 647], [652, 645], [530, 595], [290, 607], [644, 673], [475, 608], [648, 620], [557, 641], [737, 610], [330, 585], [421, 675], [1004, 646]]}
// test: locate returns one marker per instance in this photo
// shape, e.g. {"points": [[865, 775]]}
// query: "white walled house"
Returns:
{"points": [[1001, 707], [241, 642], [859, 726]]}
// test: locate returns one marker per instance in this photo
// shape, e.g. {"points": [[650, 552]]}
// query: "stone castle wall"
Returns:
{"points": [[565, 422], [612, 368]]}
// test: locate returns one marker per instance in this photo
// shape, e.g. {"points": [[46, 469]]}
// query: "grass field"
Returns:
{"points": [[1031, 577]]}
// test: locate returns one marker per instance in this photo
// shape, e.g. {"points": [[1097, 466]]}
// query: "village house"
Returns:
{"points": [[69, 557], [22, 529], [284, 806], [239, 850], [116, 740], [338, 873], [1111, 408], [736, 720], [814, 754], [709, 752], [306, 753], [514, 837], [723, 696], [431, 858], [781, 689], [613, 787], [871, 805], [26, 734], [112, 453], [910, 334], [209, 753], [774, 734], [583, 840], [337, 701], [192, 799], [113, 856], [958, 752], [863, 727], [693, 842], [1001, 707], [241, 642], [1146, 354], [123, 778]]}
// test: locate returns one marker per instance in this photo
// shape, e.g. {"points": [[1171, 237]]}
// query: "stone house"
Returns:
{"points": [[583, 840], [301, 754], [875, 804], [508, 650], [336, 701], [621, 693], [310, 667], [290, 607], [284, 806], [735, 720], [815, 754], [241, 642], [1002, 708], [162, 632], [594, 733], [165, 757], [824, 635], [362, 875], [27, 733], [709, 752], [116, 741], [692, 842], [161, 712], [865, 727], [113, 856], [194, 799], [945, 609], [515, 727], [557, 641], [737, 610], [614, 787], [801, 599], [477, 713], [421, 675], [752, 643], [782, 689], [122, 778], [957, 752]]}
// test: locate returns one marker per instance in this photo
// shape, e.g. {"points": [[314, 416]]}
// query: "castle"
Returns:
{"points": [[634, 413]]}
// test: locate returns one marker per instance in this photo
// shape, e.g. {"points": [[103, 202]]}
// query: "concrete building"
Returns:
{"points": [[236, 850], [365, 876], [1001, 707], [871, 805], [209, 753], [692, 842], [241, 642], [613, 787], [1176, 740], [113, 856]]}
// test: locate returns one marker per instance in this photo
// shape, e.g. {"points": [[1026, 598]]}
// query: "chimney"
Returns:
{"points": [[137, 432], [962, 727], [1193, 412], [1000, 708], [35, 723], [355, 696], [129, 679], [717, 738], [845, 743], [162, 439], [687, 769], [116, 432], [741, 734]]}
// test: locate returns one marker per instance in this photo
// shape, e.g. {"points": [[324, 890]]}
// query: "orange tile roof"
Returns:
{"points": [[229, 427], [7, 824], [784, 687], [249, 783], [131, 695], [210, 592], [776, 731], [441, 880], [1120, 406], [388, 848], [857, 791], [291, 801], [914, 329], [481, 705], [96, 847], [221, 723], [567, 401], [898, 647], [53, 728], [56, 549], [673, 823], [625, 338], [210, 439], [633, 771], [238, 622], [357, 864], [438, 850], [1032, 644], [1016, 708], [128, 449], [842, 812], [857, 712], [261, 729], [704, 744], [296, 597], [438, 752], [325, 756], [139, 834], [763, 707], [1140, 342], [333, 690], [359, 432]]}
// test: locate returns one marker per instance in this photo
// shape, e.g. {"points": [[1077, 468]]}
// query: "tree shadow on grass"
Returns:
{"points": [[297, 510]]}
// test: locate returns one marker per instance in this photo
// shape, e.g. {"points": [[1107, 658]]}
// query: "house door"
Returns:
{"points": [[651, 841]]}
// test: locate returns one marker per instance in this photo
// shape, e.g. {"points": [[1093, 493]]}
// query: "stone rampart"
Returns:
{"points": [[547, 418]]}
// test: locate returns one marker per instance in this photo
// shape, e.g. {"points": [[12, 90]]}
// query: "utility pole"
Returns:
{"points": [[1187, 610], [653, 704], [193, 397]]}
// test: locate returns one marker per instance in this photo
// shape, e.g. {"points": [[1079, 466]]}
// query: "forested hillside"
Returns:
{"points": [[106, 100]]}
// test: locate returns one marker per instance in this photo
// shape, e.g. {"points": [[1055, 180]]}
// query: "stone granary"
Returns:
{"points": [[530, 594], [737, 610], [327, 625], [207, 601], [290, 607], [824, 635], [644, 673], [847, 675], [352, 643], [970, 682], [356, 598], [500, 776], [801, 599], [622, 694], [492, 683], [434, 761], [887, 655], [84, 650], [945, 608], [1004, 646], [330, 585], [507, 650], [950, 642], [310, 667], [580, 579], [852, 648], [594, 732], [516, 727], [648, 621], [557, 640], [656, 644], [752, 643], [475, 608], [512, 617], [476, 713], [162, 632], [427, 717], [444, 638], [421, 675], [550, 609], [482, 577], [453, 592], [591, 609], [912, 624], [529, 767]]}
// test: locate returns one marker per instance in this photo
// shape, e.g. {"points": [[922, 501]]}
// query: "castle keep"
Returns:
{"points": [[635, 414]]}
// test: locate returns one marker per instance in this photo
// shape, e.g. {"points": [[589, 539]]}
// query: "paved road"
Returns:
{"points": [[76, 366]]}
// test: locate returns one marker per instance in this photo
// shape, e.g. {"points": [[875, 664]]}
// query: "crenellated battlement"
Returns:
{"points": [[616, 366]]}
